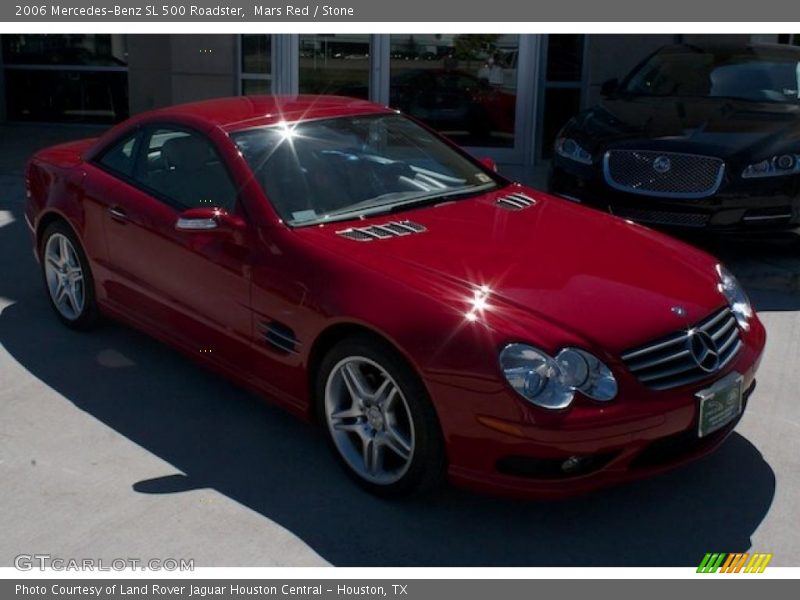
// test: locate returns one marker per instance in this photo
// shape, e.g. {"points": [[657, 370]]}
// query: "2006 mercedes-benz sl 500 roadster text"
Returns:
{"points": [[435, 318]]}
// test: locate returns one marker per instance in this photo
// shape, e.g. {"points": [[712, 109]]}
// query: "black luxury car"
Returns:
{"points": [[703, 137]]}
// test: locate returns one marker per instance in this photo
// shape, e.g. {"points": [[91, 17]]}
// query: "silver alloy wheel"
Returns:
{"points": [[369, 420], [64, 276]]}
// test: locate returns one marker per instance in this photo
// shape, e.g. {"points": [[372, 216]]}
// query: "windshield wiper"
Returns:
{"points": [[390, 207]]}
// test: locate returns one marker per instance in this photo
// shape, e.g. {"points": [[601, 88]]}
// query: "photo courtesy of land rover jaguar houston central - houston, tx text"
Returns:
{"points": [[436, 320]]}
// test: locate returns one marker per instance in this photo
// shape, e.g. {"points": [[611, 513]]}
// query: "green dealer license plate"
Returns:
{"points": [[720, 404]]}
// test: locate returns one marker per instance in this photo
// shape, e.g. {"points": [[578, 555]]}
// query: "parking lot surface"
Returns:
{"points": [[112, 445]]}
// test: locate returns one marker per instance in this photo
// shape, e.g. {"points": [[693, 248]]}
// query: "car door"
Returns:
{"points": [[193, 285]]}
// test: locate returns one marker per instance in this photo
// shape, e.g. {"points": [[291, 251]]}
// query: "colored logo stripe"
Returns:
{"points": [[734, 562], [711, 563], [758, 563]]}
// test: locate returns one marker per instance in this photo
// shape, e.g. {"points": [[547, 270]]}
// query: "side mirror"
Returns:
{"points": [[488, 163], [610, 87], [208, 220]]}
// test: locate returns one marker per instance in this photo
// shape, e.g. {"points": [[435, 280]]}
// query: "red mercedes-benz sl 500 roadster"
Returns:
{"points": [[435, 318]]}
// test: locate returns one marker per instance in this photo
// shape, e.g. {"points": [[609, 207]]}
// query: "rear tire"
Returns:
{"points": [[379, 419], [67, 277]]}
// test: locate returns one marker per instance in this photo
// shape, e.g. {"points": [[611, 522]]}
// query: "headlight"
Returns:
{"points": [[569, 148], [736, 297], [552, 382], [780, 164]]}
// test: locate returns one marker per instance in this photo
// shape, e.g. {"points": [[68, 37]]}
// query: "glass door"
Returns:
{"points": [[337, 64], [471, 88]]}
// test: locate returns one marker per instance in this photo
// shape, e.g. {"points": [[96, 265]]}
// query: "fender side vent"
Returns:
{"points": [[516, 201], [382, 231], [280, 337]]}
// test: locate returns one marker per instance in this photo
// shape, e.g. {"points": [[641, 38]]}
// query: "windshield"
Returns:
{"points": [[742, 75], [345, 167]]}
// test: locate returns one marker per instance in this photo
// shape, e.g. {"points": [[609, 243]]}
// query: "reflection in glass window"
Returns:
{"points": [[68, 96], [754, 75], [81, 78], [256, 64], [335, 64], [563, 87], [561, 104], [65, 49], [465, 86], [565, 57]]}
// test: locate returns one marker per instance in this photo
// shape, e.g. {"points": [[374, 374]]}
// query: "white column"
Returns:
{"points": [[285, 64]]}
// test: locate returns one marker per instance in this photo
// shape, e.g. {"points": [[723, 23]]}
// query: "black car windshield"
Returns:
{"points": [[345, 167], [745, 74]]}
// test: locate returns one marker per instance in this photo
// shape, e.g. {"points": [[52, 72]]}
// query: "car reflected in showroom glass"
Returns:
{"points": [[702, 137], [435, 319]]}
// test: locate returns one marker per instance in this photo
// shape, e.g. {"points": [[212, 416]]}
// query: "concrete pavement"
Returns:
{"points": [[112, 445]]}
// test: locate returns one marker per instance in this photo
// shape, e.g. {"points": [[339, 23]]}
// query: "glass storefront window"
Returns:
{"points": [[66, 77], [561, 104], [335, 64], [66, 50], [256, 64], [565, 57], [64, 95], [563, 87], [464, 86]]}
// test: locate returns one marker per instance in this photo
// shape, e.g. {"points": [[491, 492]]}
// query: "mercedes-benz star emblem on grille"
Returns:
{"points": [[679, 311], [704, 351], [662, 164]]}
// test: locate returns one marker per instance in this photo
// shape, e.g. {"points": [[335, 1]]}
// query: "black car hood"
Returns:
{"points": [[716, 126]]}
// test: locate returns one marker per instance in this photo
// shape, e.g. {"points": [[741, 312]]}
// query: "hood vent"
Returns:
{"points": [[516, 201], [279, 337], [382, 231]]}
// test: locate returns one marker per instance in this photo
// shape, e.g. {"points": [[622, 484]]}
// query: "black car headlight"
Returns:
{"points": [[569, 148], [737, 299], [776, 166], [551, 382]]}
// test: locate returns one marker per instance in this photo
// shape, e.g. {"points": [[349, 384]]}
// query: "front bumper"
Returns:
{"points": [[758, 205], [640, 433]]}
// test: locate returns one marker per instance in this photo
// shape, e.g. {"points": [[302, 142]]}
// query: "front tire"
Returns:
{"points": [[379, 419], [67, 277]]}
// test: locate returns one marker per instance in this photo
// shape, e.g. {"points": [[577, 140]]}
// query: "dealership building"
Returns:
{"points": [[501, 96]]}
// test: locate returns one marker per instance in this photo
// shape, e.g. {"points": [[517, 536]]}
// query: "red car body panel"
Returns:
{"points": [[558, 274]]}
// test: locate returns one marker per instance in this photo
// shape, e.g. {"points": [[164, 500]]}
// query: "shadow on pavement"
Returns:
{"points": [[218, 436]]}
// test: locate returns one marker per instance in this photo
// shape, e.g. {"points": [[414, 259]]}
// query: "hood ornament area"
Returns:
{"points": [[704, 351], [678, 311]]}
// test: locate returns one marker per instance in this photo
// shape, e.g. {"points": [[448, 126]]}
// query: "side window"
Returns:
{"points": [[184, 168], [121, 157]]}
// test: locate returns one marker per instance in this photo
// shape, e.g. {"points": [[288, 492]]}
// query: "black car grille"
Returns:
{"points": [[662, 217], [663, 174], [672, 361]]}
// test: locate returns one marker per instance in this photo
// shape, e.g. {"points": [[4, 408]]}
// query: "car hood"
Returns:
{"points": [[608, 282], [715, 126]]}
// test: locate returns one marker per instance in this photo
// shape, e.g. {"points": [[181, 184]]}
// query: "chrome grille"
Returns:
{"points": [[382, 231], [663, 174], [661, 217], [516, 201], [670, 361]]}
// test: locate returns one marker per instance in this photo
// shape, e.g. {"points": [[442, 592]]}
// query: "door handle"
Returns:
{"points": [[118, 214]]}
